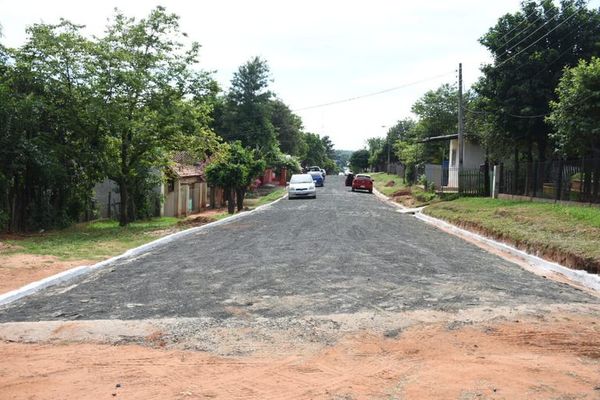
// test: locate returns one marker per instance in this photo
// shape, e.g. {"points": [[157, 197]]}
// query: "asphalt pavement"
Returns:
{"points": [[343, 252]]}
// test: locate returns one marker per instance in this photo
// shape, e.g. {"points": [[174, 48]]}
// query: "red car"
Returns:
{"points": [[362, 182]]}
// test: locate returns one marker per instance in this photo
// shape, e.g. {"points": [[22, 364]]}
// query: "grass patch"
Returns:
{"points": [[566, 234], [94, 240], [380, 179], [410, 196], [274, 195], [98, 240]]}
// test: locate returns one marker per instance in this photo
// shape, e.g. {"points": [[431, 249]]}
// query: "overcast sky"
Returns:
{"points": [[318, 51]]}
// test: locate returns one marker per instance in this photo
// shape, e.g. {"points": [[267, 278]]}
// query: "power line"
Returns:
{"points": [[331, 103], [505, 45], [540, 38], [529, 116], [517, 26], [507, 51]]}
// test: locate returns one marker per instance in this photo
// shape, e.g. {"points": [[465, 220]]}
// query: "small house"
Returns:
{"points": [[184, 190]]}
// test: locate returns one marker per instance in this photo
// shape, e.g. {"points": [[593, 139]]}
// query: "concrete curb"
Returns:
{"points": [[537, 264], [386, 199], [72, 273], [402, 209]]}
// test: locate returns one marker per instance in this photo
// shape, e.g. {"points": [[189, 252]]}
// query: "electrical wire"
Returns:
{"points": [[349, 99], [519, 33], [507, 51], [540, 38], [516, 27], [528, 116]]}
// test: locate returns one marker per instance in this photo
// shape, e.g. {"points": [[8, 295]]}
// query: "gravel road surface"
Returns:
{"points": [[342, 253]]}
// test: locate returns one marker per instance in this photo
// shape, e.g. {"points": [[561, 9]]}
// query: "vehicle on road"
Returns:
{"points": [[317, 178], [317, 168], [362, 182], [302, 185], [349, 178]]}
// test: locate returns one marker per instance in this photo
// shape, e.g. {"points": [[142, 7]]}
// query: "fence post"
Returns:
{"points": [[536, 168], [496, 182], [559, 181]]}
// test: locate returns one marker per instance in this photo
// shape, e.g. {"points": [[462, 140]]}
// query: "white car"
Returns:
{"points": [[302, 185]]}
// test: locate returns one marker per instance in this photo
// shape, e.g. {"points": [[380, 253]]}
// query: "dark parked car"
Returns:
{"points": [[349, 179], [362, 182]]}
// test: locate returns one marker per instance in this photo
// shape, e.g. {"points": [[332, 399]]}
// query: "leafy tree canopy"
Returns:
{"points": [[359, 161], [247, 111], [530, 48], [576, 114]]}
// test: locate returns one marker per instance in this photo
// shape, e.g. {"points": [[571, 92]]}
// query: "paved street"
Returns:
{"points": [[341, 253]]}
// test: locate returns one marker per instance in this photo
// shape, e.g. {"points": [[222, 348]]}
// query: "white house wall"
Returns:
{"points": [[473, 158]]}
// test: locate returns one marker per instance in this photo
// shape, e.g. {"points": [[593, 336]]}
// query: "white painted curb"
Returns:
{"points": [[584, 278], [85, 269]]}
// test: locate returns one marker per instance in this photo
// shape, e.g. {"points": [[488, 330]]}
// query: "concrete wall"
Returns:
{"points": [[473, 158], [107, 199], [433, 173], [473, 155], [185, 199]]}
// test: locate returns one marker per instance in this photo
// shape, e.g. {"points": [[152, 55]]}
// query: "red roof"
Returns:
{"points": [[185, 166]]}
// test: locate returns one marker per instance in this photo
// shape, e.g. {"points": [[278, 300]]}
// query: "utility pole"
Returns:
{"points": [[461, 124], [388, 149]]}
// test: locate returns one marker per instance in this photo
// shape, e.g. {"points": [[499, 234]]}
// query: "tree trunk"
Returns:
{"points": [[213, 197], [230, 200], [13, 194], [516, 171], [240, 193], [124, 205]]}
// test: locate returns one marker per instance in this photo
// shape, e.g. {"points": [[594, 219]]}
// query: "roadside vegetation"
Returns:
{"points": [[398, 190], [567, 234], [94, 240], [101, 239], [537, 100], [76, 110]]}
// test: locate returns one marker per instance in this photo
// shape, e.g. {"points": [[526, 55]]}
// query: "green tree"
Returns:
{"points": [[576, 114], [233, 169], [375, 146], [149, 101], [247, 113], [359, 161], [49, 147], [288, 128], [437, 113], [530, 48], [315, 150]]}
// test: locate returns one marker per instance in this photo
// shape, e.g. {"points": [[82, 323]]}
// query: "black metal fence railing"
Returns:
{"points": [[573, 180], [474, 182]]}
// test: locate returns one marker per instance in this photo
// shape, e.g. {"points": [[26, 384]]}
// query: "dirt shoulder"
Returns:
{"points": [[517, 356]]}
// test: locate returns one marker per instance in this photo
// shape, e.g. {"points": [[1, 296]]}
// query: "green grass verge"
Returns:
{"points": [[380, 179], [98, 240], [568, 234], [274, 195], [414, 196], [94, 240]]}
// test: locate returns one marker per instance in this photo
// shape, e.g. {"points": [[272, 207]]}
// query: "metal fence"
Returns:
{"points": [[572, 180], [475, 182]]}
